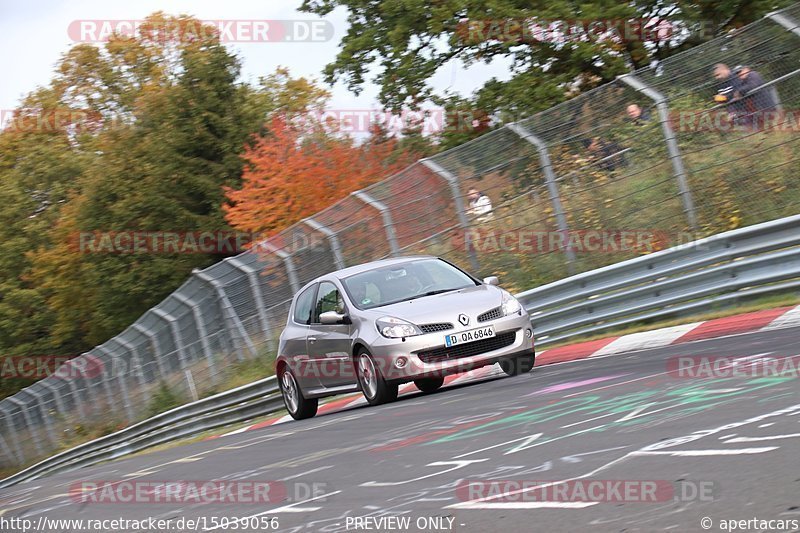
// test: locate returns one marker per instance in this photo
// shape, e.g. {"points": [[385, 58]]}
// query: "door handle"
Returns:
{"points": [[312, 339]]}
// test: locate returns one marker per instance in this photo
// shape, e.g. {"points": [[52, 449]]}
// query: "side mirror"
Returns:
{"points": [[492, 280], [332, 317]]}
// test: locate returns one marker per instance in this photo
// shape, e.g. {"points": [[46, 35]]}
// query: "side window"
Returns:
{"points": [[303, 306], [328, 299]]}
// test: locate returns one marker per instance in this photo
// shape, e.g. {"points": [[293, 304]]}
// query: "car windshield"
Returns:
{"points": [[405, 281]]}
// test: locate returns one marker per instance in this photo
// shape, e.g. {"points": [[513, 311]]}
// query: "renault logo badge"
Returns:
{"points": [[464, 319]]}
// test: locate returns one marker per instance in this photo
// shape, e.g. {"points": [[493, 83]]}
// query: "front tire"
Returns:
{"points": [[375, 388], [429, 384], [522, 364], [298, 406]]}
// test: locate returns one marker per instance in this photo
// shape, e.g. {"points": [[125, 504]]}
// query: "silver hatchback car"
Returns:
{"points": [[374, 326]]}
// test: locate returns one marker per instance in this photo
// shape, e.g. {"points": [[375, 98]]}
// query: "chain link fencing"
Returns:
{"points": [[682, 171]]}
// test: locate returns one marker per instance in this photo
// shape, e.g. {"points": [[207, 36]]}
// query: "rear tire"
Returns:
{"points": [[522, 364], [298, 406], [429, 384], [375, 388]]}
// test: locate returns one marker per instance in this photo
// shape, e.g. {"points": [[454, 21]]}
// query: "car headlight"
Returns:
{"points": [[394, 328], [510, 304]]}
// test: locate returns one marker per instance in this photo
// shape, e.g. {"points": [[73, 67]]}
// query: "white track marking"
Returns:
{"points": [[472, 504], [457, 465], [646, 339], [237, 431], [757, 439], [703, 453], [528, 438], [788, 319], [527, 505], [307, 472], [475, 504]]}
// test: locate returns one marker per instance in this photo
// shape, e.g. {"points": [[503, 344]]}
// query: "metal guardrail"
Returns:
{"points": [[229, 407], [758, 259]]}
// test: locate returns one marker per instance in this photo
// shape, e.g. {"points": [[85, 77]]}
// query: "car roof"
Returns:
{"points": [[358, 269]]}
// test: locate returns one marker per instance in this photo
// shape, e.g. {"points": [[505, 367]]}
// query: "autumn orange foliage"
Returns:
{"points": [[291, 175]]}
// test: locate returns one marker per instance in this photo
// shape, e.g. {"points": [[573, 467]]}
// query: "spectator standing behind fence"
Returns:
{"points": [[480, 206], [726, 88], [757, 104], [608, 155], [637, 115]]}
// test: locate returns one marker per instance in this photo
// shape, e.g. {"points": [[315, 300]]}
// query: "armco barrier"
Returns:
{"points": [[236, 405], [760, 259]]}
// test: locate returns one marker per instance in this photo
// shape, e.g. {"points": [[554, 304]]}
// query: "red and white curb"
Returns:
{"points": [[770, 319]]}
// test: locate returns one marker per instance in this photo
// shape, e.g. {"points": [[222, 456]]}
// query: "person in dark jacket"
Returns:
{"points": [[757, 103], [608, 155], [727, 87]]}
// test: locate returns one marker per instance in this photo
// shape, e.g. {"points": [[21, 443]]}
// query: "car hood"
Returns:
{"points": [[445, 307]]}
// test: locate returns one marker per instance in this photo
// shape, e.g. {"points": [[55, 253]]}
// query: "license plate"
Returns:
{"points": [[470, 335]]}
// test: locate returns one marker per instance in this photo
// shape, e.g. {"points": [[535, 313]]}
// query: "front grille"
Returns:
{"points": [[433, 328], [469, 349], [492, 314]]}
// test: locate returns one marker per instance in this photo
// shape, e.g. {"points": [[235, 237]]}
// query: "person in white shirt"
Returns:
{"points": [[480, 206]]}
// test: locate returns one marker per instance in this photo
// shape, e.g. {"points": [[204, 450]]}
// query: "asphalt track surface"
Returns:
{"points": [[487, 456]]}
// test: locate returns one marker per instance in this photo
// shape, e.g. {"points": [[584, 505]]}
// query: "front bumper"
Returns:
{"points": [[426, 355]]}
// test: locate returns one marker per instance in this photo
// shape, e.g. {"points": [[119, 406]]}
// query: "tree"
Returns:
{"points": [[407, 42], [292, 174], [164, 123]]}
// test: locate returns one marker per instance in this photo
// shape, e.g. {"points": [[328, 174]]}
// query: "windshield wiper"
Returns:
{"points": [[431, 293]]}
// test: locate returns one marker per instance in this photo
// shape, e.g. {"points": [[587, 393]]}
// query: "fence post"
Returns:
{"points": [[332, 237], [150, 334], [672, 144], [105, 378], [387, 218], [552, 187], [60, 407], [229, 313], [13, 437], [258, 298], [7, 449], [784, 21], [46, 419], [455, 191], [77, 399], [28, 423], [140, 377], [201, 332], [172, 324], [78, 367], [123, 384], [286, 257]]}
